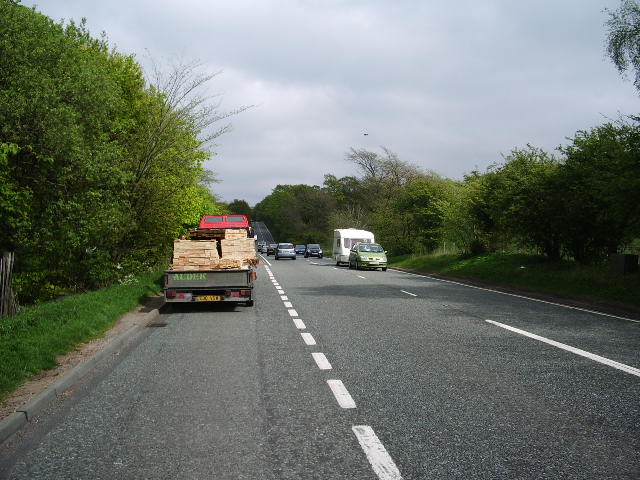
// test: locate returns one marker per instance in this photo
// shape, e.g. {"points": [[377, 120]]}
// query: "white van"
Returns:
{"points": [[344, 239]]}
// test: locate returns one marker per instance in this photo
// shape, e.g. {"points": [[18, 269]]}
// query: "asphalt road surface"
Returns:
{"points": [[345, 374]]}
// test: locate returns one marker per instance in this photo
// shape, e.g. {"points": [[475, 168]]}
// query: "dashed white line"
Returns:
{"points": [[342, 395], [308, 338], [293, 313], [299, 324], [577, 351], [409, 293], [288, 304], [280, 292], [360, 276], [380, 460], [284, 297], [321, 361]]}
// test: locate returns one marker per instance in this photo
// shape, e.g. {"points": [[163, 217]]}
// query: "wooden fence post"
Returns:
{"points": [[8, 303]]}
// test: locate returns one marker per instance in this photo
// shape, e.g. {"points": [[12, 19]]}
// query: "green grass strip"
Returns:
{"points": [[31, 340], [531, 272]]}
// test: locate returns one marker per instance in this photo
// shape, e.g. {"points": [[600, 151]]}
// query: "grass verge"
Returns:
{"points": [[534, 273], [31, 340]]}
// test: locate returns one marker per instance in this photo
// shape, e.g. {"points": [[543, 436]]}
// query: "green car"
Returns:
{"points": [[367, 255]]}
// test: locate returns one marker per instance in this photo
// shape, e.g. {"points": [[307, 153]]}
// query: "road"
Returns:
{"points": [[345, 374]]}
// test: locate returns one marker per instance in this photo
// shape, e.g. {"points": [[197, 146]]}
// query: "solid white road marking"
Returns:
{"points": [[265, 260], [409, 293], [520, 296], [321, 361], [308, 338], [577, 351], [293, 313], [381, 462], [288, 304], [342, 395], [284, 297], [299, 324]]}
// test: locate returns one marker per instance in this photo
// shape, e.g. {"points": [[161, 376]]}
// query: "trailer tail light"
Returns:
{"points": [[227, 293], [236, 293], [181, 295], [171, 293], [245, 293]]}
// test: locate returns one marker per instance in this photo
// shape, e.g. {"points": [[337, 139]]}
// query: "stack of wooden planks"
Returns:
{"points": [[226, 249]]}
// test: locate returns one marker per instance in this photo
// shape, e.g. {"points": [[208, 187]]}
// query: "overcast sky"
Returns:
{"points": [[448, 86]]}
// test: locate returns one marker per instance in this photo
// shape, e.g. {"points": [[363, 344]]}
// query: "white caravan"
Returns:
{"points": [[344, 239]]}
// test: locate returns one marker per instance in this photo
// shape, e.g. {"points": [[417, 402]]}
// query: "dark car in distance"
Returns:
{"points": [[313, 250], [271, 249], [300, 249]]}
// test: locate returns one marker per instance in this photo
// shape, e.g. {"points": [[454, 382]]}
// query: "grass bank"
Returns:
{"points": [[529, 272], [31, 340]]}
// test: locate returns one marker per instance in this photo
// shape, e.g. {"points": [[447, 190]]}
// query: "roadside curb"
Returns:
{"points": [[40, 402]]}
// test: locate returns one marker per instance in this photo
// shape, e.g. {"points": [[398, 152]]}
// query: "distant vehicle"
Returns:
{"points": [[344, 239], [300, 249], [313, 250], [367, 255], [209, 222], [285, 250], [262, 247], [271, 248]]}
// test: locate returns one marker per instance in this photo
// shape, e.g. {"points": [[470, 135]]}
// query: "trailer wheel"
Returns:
{"points": [[249, 303]]}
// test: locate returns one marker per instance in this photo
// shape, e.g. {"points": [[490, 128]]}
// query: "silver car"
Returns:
{"points": [[285, 250]]}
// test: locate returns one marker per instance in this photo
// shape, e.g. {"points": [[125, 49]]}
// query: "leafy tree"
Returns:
{"points": [[525, 200], [601, 179], [240, 207], [623, 41]]}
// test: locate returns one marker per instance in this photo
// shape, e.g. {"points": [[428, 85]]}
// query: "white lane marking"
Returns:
{"points": [[314, 263], [380, 460], [284, 297], [336, 268], [360, 276], [277, 285], [342, 395], [265, 260], [280, 292], [321, 361], [409, 293], [308, 338], [288, 304], [520, 296], [299, 324], [293, 313], [577, 351]]}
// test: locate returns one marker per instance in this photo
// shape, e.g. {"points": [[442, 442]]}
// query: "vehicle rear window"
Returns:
{"points": [[215, 219], [285, 245], [235, 218]]}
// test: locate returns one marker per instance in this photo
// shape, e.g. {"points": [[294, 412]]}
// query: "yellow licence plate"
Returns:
{"points": [[208, 298]]}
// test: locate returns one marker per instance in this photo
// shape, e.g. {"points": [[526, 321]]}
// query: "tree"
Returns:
{"points": [[601, 185], [623, 41], [240, 207]]}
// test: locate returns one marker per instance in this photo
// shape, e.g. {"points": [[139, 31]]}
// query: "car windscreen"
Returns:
{"points": [[370, 247], [313, 245]]}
